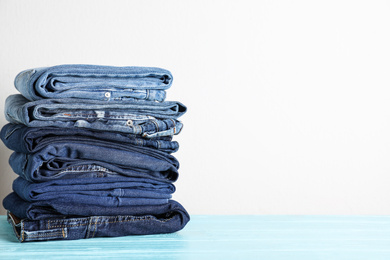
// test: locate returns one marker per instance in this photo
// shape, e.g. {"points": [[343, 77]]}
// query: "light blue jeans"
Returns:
{"points": [[151, 119], [105, 83]]}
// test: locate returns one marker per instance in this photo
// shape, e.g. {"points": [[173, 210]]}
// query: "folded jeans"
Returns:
{"points": [[23, 139], [106, 83], [113, 191], [151, 119], [44, 209], [170, 218], [80, 159]]}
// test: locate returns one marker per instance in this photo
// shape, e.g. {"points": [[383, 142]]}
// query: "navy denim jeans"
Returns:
{"points": [[61, 207], [167, 218], [106, 83], [113, 192], [151, 119], [76, 158], [23, 139]]}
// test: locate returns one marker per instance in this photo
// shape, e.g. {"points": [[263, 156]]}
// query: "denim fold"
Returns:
{"points": [[106, 83], [167, 218], [61, 207], [136, 117], [81, 159], [106, 192], [23, 139]]}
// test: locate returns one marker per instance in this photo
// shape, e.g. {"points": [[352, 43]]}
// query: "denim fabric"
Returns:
{"points": [[168, 218], [111, 192], [104, 83], [137, 117], [23, 139], [82, 159], [61, 207]]}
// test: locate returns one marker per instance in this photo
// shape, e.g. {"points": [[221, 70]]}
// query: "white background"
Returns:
{"points": [[288, 101]]}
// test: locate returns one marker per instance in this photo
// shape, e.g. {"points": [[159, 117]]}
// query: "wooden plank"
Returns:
{"points": [[227, 237]]}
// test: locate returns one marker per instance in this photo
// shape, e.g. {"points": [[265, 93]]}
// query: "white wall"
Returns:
{"points": [[288, 101]]}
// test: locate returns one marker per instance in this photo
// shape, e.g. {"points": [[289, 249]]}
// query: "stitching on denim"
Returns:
{"points": [[81, 168], [51, 234], [112, 222], [113, 116], [120, 74], [89, 226], [11, 132], [147, 94], [93, 234], [139, 141], [137, 129], [155, 123]]}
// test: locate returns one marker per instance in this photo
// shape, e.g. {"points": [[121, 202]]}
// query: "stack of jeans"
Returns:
{"points": [[92, 148]]}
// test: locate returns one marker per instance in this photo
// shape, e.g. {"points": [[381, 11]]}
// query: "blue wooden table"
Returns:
{"points": [[227, 237]]}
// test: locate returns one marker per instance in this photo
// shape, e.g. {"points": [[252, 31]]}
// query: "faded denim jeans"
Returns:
{"points": [[105, 83], [151, 119]]}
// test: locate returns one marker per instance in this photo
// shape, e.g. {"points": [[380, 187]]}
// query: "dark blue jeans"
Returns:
{"points": [[23, 139], [45, 209], [168, 218], [113, 192], [77, 158]]}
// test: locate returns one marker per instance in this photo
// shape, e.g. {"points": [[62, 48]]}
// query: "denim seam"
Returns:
{"points": [[51, 234], [109, 222], [137, 129], [155, 123], [147, 94], [139, 142], [11, 132], [101, 74], [89, 226], [114, 116], [95, 168], [93, 234]]}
